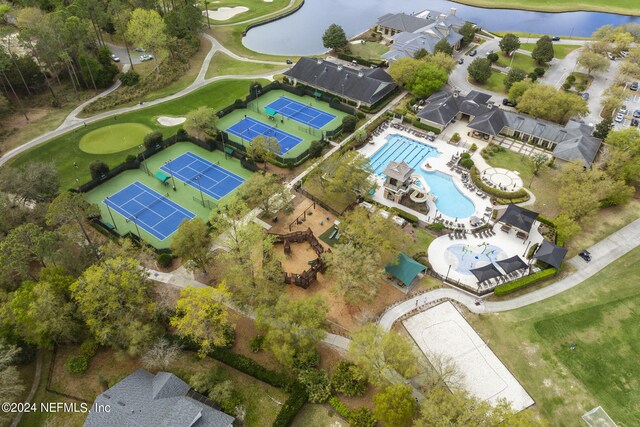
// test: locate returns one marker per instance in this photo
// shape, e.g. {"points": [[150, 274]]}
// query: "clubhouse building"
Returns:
{"points": [[489, 122], [410, 33], [363, 87]]}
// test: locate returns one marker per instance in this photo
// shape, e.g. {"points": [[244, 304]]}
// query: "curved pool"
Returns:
{"points": [[450, 201]]}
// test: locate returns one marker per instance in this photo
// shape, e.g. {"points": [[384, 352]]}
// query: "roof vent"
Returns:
{"points": [[490, 104], [441, 17], [319, 61], [456, 93], [453, 11]]}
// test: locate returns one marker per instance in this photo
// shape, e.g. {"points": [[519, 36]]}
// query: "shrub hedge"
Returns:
{"points": [[417, 123], [340, 407], [525, 281]]}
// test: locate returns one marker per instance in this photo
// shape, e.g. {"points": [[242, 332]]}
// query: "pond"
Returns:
{"points": [[301, 33]]}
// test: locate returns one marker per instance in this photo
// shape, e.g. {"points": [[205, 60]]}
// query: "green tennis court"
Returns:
{"points": [[186, 196]]}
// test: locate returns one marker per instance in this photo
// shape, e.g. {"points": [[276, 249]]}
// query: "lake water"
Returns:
{"points": [[301, 33]]}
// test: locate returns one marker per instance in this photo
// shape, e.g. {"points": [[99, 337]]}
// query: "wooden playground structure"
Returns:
{"points": [[307, 277]]}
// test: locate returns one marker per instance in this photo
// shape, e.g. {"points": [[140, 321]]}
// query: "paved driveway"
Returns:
{"points": [[121, 52]]}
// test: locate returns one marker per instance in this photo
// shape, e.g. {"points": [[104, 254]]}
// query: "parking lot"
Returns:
{"points": [[632, 103]]}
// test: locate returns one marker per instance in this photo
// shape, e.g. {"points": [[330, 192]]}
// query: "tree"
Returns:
{"points": [[362, 417], [513, 76], [420, 53], [603, 128], [11, 386], [346, 173], [395, 405], [518, 89], [315, 149], [264, 190], [201, 121], [349, 380], [360, 135], [443, 46], [263, 149], [161, 355], [538, 159], [384, 356], [442, 60], [624, 148], [152, 139], [114, 299], [24, 245], [357, 274], [184, 22], [71, 208], [548, 103], [427, 79], [621, 41], [98, 169], [543, 51], [292, 328], [403, 70], [480, 70], [192, 243], [317, 384], [593, 62], [5, 106], [509, 44], [146, 28], [566, 227], [458, 408], [334, 38], [40, 311], [468, 33], [201, 317], [34, 182], [349, 123]]}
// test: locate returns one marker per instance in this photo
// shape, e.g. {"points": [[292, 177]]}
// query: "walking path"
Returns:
{"points": [[34, 388]]}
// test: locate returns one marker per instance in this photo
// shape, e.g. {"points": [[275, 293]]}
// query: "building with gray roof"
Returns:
{"points": [[364, 87], [163, 399]]}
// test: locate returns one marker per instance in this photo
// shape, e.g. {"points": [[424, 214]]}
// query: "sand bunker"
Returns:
{"points": [[170, 121], [225, 13]]}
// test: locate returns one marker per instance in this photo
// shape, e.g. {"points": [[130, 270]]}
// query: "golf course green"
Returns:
{"points": [[114, 138]]}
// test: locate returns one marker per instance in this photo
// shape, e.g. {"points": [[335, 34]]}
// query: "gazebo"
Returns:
{"points": [[512, 264], [486, 272], [550, 254], [520, 218], [405, 270]]}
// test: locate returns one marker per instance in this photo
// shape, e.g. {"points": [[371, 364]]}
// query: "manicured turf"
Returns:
{"points": [[114, 138], [625, 7], [600, 316], [369, 50], [520, 60], [223, 65], [559, 50], [255, 111], [186, 196], [64, 150], [256, 8], [494, 84]]}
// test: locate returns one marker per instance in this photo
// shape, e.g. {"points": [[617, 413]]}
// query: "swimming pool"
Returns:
{"points": [[464, 258], [450, 201]]}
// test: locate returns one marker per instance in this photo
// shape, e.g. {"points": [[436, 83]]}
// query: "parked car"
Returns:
{"points": [[611, 57], [115, 58], [634, 122], [623, 110], [474, 52], [461, 61], [489, 52], [585, 255], [585, 96], [634, 86], [140, 49], [555, 39], [624, 53], [636, 114], [144, 58], [505, 101], [619, 118], [289, 62]]}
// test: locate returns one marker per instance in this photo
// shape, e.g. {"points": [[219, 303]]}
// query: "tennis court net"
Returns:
{"points": [[144, 209]]}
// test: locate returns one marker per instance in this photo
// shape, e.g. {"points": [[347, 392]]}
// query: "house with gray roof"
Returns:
{"points": [[144, 399], [364, 86], [410, 33], [572, 142]]}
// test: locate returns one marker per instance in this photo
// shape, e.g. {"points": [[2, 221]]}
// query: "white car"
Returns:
{"points": [[619, 118], [115, 58], [144, 58]]}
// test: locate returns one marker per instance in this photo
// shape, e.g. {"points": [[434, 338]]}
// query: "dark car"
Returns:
{"points": [[634, 122], [555, 39], [289, 61], [636, 114], [508, 103], [634, 86], [461, 61], [585, 255], [474, 52], [585, 96]]}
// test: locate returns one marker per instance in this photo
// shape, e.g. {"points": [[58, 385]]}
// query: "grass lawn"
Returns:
{"points": [[600, 317], [494, 84], [369, 51], [114, 138], [525, 35], [559, 50], [520, 60], [422, 241], [231, 38], [257, 8], [312, 415], [223, 65], [64, 150], [624, 7]]}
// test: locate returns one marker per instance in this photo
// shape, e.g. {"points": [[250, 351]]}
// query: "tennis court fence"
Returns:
{"points": [[206, 203]]}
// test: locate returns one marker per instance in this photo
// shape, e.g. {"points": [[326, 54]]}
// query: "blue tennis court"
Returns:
{"points": [[153, 212], [248, 128], [201, 174], [299, 112]]}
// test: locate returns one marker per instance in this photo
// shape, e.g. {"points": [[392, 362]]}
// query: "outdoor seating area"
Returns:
{"points": [[502, 179], [430, 135]]}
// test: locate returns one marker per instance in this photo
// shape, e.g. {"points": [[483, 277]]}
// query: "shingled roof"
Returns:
{"points": [[367, 85], [443, 106], [145, 399], [403, 22], [398, 170]]}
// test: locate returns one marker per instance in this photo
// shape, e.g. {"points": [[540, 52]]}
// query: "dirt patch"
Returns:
{"points": [[298, 260], [317, 218], [245, 332]]}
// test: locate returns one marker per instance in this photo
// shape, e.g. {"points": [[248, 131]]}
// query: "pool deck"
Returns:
{"points": [[438, 163], [441, 258]]}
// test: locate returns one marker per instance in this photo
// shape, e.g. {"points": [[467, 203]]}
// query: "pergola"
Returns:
{"points": [[551, 254], [512, 264], [519, 217], [486, 272]]}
